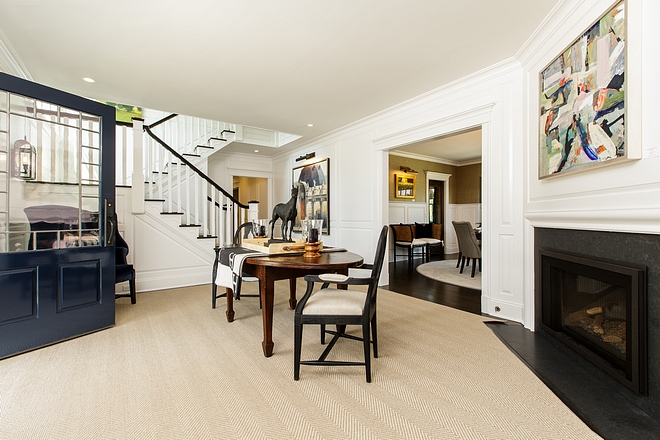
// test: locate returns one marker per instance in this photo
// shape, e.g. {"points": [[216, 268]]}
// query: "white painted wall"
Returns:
{"points": [[164, 255], [358, 168]]}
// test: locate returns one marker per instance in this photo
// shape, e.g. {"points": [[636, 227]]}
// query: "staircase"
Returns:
{"points": [[174, 214], [174, 162]]}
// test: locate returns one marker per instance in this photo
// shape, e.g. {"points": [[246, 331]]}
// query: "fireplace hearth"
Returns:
{"points": [[597, 307]]}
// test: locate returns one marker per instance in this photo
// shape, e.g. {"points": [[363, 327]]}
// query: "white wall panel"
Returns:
{"points": [[356, 175]]}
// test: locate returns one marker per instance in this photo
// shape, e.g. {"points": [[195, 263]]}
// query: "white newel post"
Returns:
{"points": [[137, 204], [253, 210]]}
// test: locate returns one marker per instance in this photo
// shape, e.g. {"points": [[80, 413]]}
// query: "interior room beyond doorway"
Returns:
{"points": [[247, 189]]}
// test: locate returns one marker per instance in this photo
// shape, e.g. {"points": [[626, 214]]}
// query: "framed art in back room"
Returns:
{"points": [[405, 186], [582, 99]]}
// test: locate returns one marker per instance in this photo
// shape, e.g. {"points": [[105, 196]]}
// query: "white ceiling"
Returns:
{"points": [[278, 65]]}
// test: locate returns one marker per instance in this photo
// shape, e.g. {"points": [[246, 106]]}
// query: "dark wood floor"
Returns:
{"points": [[405, 279]]}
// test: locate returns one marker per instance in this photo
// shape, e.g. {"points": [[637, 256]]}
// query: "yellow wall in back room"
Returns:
{"points": [[464, 182]]}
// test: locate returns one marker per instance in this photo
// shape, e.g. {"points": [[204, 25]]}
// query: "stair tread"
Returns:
{"points": [[154, 200], [207, 236], [171, 213], [190, 226], [191, 154]]}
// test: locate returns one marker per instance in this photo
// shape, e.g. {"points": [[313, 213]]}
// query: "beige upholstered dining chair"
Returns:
{"points": [[341, 308]]}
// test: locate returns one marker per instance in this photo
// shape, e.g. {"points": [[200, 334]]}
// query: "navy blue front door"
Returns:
{"points": [[57, 256]]}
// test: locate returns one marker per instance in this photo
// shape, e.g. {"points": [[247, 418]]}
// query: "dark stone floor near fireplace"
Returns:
{"points": [[590, 393]]}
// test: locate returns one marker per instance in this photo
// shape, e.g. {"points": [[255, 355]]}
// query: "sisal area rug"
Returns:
{"points": [[446, 271], [173, 368]]}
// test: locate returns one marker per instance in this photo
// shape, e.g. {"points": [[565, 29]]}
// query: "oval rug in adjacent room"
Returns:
{"points": [[446, 271]]}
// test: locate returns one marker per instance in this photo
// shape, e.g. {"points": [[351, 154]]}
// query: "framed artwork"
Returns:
{"points": [[582, 99], [313, 181], [405, 186]]}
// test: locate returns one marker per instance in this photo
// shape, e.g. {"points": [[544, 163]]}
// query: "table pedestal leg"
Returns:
{"points": [[230, 305], [292, 294], [267, 296]]}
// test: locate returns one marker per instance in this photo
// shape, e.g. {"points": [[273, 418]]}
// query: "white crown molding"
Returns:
{"points": [[10, 62]]}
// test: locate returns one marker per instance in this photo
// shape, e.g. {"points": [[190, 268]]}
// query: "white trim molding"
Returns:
{"points": [[10, 62]]}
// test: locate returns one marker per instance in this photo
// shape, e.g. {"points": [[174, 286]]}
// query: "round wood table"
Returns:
{"points": [[270, 269]]}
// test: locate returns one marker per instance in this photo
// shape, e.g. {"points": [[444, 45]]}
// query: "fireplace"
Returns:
{"points": [[597, 307]]}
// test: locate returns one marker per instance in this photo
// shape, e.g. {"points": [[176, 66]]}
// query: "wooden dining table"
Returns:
{"points": [[273, 268]]}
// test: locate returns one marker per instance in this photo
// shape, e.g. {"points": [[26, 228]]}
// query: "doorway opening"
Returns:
{"points": [[247, 189], [448, 188]]}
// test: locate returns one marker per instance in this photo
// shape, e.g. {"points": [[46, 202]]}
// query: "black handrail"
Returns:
{"points": [[165, 119], [147, 129]]}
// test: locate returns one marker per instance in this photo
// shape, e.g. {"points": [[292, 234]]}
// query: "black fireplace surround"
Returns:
{"points": [[597, 307], [637, 251]]}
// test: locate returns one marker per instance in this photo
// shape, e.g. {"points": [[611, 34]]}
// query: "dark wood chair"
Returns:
{"points": [[341, 308], [468, 246], [123, 270], [245, 229]]}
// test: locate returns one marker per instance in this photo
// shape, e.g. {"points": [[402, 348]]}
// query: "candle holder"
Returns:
{"points": [[312, 250], [259, 229]]}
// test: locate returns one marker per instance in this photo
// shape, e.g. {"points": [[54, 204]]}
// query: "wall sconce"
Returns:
{"points": [[24, 160], [305, 156], [408, 170]]}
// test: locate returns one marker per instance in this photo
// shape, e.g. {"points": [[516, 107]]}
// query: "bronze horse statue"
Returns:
{"points": [[287, 212]]}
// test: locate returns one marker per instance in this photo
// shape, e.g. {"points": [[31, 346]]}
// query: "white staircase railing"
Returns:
{"points": [[173, 155]]}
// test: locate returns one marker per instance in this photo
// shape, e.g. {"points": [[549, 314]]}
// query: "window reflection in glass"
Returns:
{"points": [[60, 207]]}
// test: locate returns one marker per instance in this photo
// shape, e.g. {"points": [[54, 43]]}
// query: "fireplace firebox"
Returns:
{"points": [[598, 308]]}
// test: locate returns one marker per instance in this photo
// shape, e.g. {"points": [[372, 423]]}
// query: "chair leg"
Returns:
{"points": [[462, 264], [474, 265], [322, 334], [131, 285], [458, 262], [374, 335], [367, 350], [410, 255], [297, 347]]}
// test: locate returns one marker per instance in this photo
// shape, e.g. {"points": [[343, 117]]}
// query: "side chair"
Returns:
{"points": [[245, 229], [468, 246], [341, 307], [123, 270]]}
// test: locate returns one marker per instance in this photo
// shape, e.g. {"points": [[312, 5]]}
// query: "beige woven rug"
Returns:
{"points": [[173, 368]]}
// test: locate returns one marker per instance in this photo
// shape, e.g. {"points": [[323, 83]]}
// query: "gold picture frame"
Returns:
{"points": [[405, 186]]}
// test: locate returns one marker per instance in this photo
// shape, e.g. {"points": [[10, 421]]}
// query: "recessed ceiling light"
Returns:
{"points": [[310, 125], [89, 80], [256, 151]]}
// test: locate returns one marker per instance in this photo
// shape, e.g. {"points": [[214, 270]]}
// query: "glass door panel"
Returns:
{"points": [[51, 182]]}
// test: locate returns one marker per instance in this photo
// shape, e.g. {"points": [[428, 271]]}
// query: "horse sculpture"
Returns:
{"points": [[287, 213]]}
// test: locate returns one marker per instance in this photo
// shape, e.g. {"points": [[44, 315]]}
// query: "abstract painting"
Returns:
{"points": [[582, 99], [313, 194]]}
